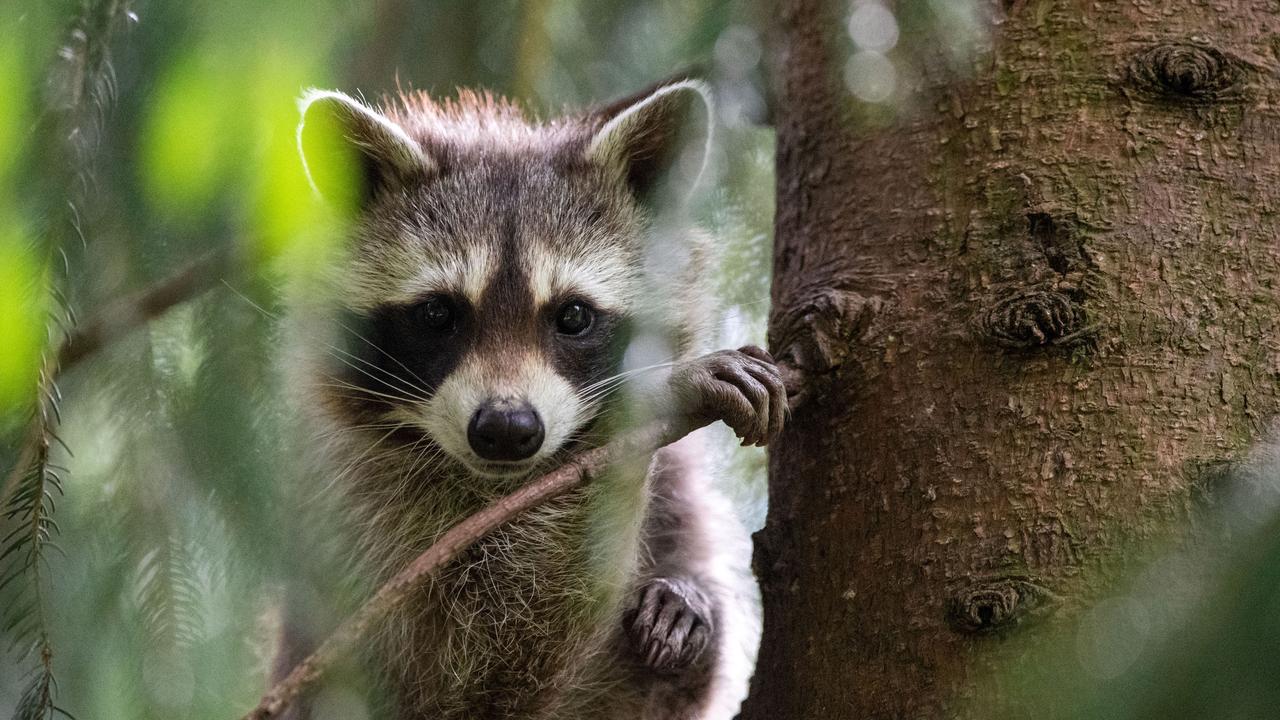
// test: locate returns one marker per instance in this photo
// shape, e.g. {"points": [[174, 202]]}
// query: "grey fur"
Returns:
{"points": [[541, 619]]}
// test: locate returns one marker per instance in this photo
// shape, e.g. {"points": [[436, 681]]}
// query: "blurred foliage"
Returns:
{"points": [[1187, 628], [22, 305], [138, 136], [23, 313]]}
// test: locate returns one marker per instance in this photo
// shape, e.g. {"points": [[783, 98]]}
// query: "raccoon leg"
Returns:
{"points": [[741, 387], [671, 625], [692, 625]]}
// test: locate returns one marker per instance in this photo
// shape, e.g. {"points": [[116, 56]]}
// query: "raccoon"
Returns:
{"points": [[503, 276]]}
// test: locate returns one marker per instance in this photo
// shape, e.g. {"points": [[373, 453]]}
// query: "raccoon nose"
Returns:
{"points": [[505, 433]]}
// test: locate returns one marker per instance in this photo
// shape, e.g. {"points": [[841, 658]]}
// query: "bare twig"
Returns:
{"points": [[113, 323], [460, 537], [124, 315]]}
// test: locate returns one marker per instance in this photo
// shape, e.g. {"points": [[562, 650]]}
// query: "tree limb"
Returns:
{"points": [[460, 537], [126, 314], [117, 320]]}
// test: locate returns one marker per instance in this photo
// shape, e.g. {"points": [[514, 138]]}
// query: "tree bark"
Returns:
{"points": [[1027, 313]]}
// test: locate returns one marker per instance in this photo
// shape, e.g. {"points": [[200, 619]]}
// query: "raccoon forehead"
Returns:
{"points": [[605, 277], [397, 262], [563, 233], [404, 269], [400, 273]]}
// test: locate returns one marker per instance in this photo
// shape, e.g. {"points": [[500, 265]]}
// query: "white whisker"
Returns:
{"points": [[416, 390]]}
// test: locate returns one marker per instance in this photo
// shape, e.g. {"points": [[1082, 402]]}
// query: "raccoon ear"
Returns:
{"points": [[659, 135], [350, 151]]}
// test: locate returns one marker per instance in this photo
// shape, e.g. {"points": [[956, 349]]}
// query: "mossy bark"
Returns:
{"points": [[1024, 316]]}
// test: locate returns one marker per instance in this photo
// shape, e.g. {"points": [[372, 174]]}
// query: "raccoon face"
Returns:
{"points": [[492, 284]]}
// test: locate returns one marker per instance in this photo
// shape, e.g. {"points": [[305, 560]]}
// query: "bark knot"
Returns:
{"points": [[1058, 240], [817, 333], [1034, 318], [1184, 71], [996, 604]]}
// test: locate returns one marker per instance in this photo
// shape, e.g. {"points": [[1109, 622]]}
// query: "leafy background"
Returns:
{"points": [[144, 534], [142, 139]]}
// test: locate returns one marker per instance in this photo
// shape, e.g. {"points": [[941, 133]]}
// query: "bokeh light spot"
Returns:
{"points": [[1111, 637], [873, 27], [871, 77]]}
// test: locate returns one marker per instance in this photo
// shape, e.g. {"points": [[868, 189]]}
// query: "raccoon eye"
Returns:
{"points": [[574, 318], [436, 313]]}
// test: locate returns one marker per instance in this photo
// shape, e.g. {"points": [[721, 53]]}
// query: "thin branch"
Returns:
{"points": [[117, 320], [127, 314], [460, 537]]}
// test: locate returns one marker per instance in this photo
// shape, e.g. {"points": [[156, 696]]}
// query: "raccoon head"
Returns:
{"points": [[493, 278]]}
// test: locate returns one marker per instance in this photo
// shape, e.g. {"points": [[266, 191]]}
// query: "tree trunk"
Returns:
{"points": [[1025, 314]]}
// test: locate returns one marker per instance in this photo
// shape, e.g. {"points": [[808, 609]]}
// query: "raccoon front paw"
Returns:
{"points": [[670, 627], [742, 387]]}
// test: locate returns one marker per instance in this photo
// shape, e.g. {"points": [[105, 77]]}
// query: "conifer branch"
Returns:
{"points": [[27, 506], [83, 86], [26, 456]]}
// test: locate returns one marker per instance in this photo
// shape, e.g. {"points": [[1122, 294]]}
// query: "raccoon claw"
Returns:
{"points": [[742, 387], [670, 628]]}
